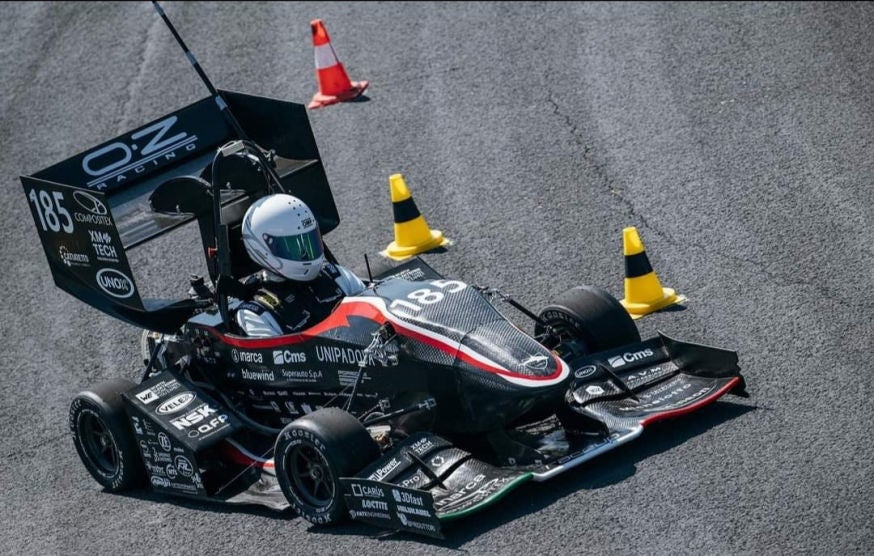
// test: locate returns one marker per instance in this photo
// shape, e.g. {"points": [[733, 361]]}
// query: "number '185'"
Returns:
{"points": [[427, 296], [50, 210]]}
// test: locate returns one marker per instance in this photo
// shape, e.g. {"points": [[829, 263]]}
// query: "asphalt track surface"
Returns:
{"points": [[736, 137]]}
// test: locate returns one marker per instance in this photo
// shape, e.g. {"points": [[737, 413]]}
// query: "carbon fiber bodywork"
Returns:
{"points": [[482, 371]]}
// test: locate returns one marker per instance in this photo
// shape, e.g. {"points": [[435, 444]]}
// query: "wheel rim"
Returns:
{"points": [[311, 476], [566, 332], [98, 443]]}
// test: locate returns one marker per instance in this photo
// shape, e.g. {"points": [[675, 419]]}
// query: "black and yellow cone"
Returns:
{"points": [[644, 293], [412, 235]]}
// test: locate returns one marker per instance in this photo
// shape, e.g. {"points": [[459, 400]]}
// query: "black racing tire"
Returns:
{"points": [[311, 455], [592, 316], [103, 436]]}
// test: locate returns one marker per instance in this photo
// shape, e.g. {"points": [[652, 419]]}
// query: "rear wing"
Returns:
{"points": [[91, 208]]}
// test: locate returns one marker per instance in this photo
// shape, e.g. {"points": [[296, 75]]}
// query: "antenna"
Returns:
{"points": [[219, 100], [369, 274], [223, 106], [221, 234]]}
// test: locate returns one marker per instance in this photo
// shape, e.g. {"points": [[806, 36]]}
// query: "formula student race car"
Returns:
{"points": [[414, 403]]}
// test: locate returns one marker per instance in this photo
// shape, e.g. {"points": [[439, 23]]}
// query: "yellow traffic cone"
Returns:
{"points": [[644, 293], [412, 235]]}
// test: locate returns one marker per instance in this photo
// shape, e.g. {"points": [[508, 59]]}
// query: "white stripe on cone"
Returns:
{"points": [[325, 56]]}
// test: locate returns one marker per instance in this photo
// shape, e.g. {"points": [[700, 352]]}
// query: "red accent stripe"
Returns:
{"points": [[233, 454], [690, 408], [339, 319]]}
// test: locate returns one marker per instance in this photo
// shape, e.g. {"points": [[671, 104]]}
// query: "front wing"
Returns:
{"points": [[425, 480]]}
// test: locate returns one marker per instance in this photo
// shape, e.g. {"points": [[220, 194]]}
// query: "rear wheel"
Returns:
{"points": [[103, 438], [591, 316], [148, 340], [311, 455]]}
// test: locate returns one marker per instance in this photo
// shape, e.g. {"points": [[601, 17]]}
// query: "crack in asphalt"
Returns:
{"points": [[601, 171], [609, 185], [136, 83]]}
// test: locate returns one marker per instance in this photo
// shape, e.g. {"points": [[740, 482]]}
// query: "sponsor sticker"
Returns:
{"points": [[348, 378], [95, 212], [385, 470], [184, 466], [141, 152], [403, 497], [246, 356], [101, 243], [147, 396], [300, 376], [70, 258], [164, 441], [666, 399], [616, 361], [115, 283], [158, 391], [585, 372], [203, 421], [334, 354], [367, 490], [536, 362], [630, 357], [90, 203], [176, 403], [284, 357], [422, 446], [262, 376]]}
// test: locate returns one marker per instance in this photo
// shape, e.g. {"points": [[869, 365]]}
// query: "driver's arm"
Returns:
{"points": [[348, 281], [256, 322]]}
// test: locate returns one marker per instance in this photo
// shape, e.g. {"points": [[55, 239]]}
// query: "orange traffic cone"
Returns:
{"points": [[334, 84]]}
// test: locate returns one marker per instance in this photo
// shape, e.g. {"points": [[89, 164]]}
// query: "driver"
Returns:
{"points": [[297, 288]]}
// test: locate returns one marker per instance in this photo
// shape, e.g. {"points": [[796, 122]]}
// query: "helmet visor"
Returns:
{"points": [[301, 247]]}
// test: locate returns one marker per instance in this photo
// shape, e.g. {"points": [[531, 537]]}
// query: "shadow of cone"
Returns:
{"points": [[644, 293], [334, 84], [412, 235]]}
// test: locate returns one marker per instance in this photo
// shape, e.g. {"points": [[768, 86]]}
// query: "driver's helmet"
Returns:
{"points": [[281, 234]]}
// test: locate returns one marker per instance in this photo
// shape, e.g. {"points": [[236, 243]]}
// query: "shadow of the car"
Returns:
{"points": [[606, 470], [213, 506], [598, 473]]}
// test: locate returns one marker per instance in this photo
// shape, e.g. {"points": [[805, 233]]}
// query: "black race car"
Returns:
{"points": [[413, 403]]}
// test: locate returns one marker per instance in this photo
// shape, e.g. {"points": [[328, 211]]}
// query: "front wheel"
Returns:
{"points": [[103, 438], [589, 315], [311, 455]]}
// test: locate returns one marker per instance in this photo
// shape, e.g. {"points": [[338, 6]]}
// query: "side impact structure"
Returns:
{"points": [[334, 84], [412, 235], [644, 293]]}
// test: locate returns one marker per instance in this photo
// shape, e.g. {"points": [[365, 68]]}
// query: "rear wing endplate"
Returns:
{"points": [[92, 207]]}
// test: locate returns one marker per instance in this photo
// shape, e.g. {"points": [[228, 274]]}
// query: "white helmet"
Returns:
{"points": [[281, 234]]}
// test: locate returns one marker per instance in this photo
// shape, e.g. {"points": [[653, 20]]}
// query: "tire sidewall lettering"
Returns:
{"points": [[295, 438], [79, 409]]}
